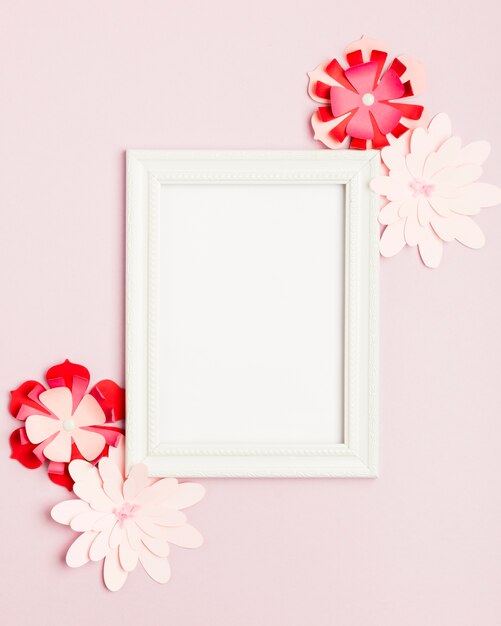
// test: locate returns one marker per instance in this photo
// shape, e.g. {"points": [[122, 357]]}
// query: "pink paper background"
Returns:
{"points": [[82, 81]]}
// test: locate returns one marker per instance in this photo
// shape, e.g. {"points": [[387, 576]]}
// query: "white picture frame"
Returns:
{"points": [[156, 180]]}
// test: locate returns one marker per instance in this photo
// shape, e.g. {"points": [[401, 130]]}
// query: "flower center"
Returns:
{"points": [[68, 424], [421, 188], [126, 511], [368, 99]]}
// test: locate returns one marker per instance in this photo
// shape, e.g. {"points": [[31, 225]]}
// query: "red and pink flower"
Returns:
{"points": [[362, 105], [64, 422]]}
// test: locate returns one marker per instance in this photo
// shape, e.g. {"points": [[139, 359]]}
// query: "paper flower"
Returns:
{"points": [[64, 422], [432, 190], [126, 520], [362, 104]]}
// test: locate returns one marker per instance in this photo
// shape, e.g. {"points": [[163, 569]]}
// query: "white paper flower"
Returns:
{"points": [[126, 520], [432, 191]]}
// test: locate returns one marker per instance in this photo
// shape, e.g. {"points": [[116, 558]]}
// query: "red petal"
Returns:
{"points": [[111, 434], [398, 67], [409, 111], [325, 114], [67, 374], [336, 72], [22, 449], [322, 90], [355, 58], [378, 140], [408, 90], [399, 130], [25, 398], [339, 131], [63, 479], [380, 58], [111, 398], [358, 144]]}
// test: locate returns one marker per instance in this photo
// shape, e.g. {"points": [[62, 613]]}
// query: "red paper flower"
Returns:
{"points": [[64, 422], [362, 102]]}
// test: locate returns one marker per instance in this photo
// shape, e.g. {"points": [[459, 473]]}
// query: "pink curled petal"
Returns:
{"points": [[59, 401], [389, 213], [362, 76], [135, 482], [322, 131], [88, 443], [113, 573], [430, 248], [89, 413], [156, 567], [128, 557], [366, 45], [78, 552], [360, 125], [475, 152], [184, 536], [41, 427], [59, 449], [386, 116], [65, 511], [343, 101], [390, 87], [415, 72], [392, 239]]}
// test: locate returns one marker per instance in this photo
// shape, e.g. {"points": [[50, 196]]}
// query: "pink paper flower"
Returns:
{"points": [[64, 422], [126, 520], [363, 102], [432, 190]]}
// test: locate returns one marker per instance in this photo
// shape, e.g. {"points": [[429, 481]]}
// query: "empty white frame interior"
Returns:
{"points": [[252, 313]]}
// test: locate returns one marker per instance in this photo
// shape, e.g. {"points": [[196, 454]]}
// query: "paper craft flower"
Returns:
{"points": [[64, 422], [126, 520], [362, 105], [432, 191]]}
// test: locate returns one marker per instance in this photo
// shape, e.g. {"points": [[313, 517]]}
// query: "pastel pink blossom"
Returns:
{"points": [[126, 521], [365, 104], [63, 426], [432, 190]]}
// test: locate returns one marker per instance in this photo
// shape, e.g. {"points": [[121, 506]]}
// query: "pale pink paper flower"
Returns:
{"points": [[432, 190], [126, 520], [63, 426]]}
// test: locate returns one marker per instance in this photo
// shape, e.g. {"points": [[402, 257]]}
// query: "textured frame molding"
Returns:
{"points": [[146, 172]]}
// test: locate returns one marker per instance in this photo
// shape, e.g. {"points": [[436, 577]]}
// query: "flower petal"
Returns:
{"points": [[116, 536], [90, 444], [445, 156], [90, 489], [41, 427], [360, 125], [112, 480], [389, 213], [483, 194], [390, 87], [156, 567], [59, 449], [78, 552], [100, 546], [113, 573], [424, 211], [148, 526], [72, 376], [65, 511], [136, 481], [128, 557], [459, 227], [323, 132], [430, 248], [184, 536], [79, 469], [362, 76], [393, 158], [157, 546], [159, 491], [319, 75], [366, 45], [412, 230], [111, 399], [86, 520], [89, 412], [459, 176], [475, 152], [186, 494], [58, 401], [343, 100], [22, 449], [415, 73], [392, 239], [386, 116], [24, 400]]}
